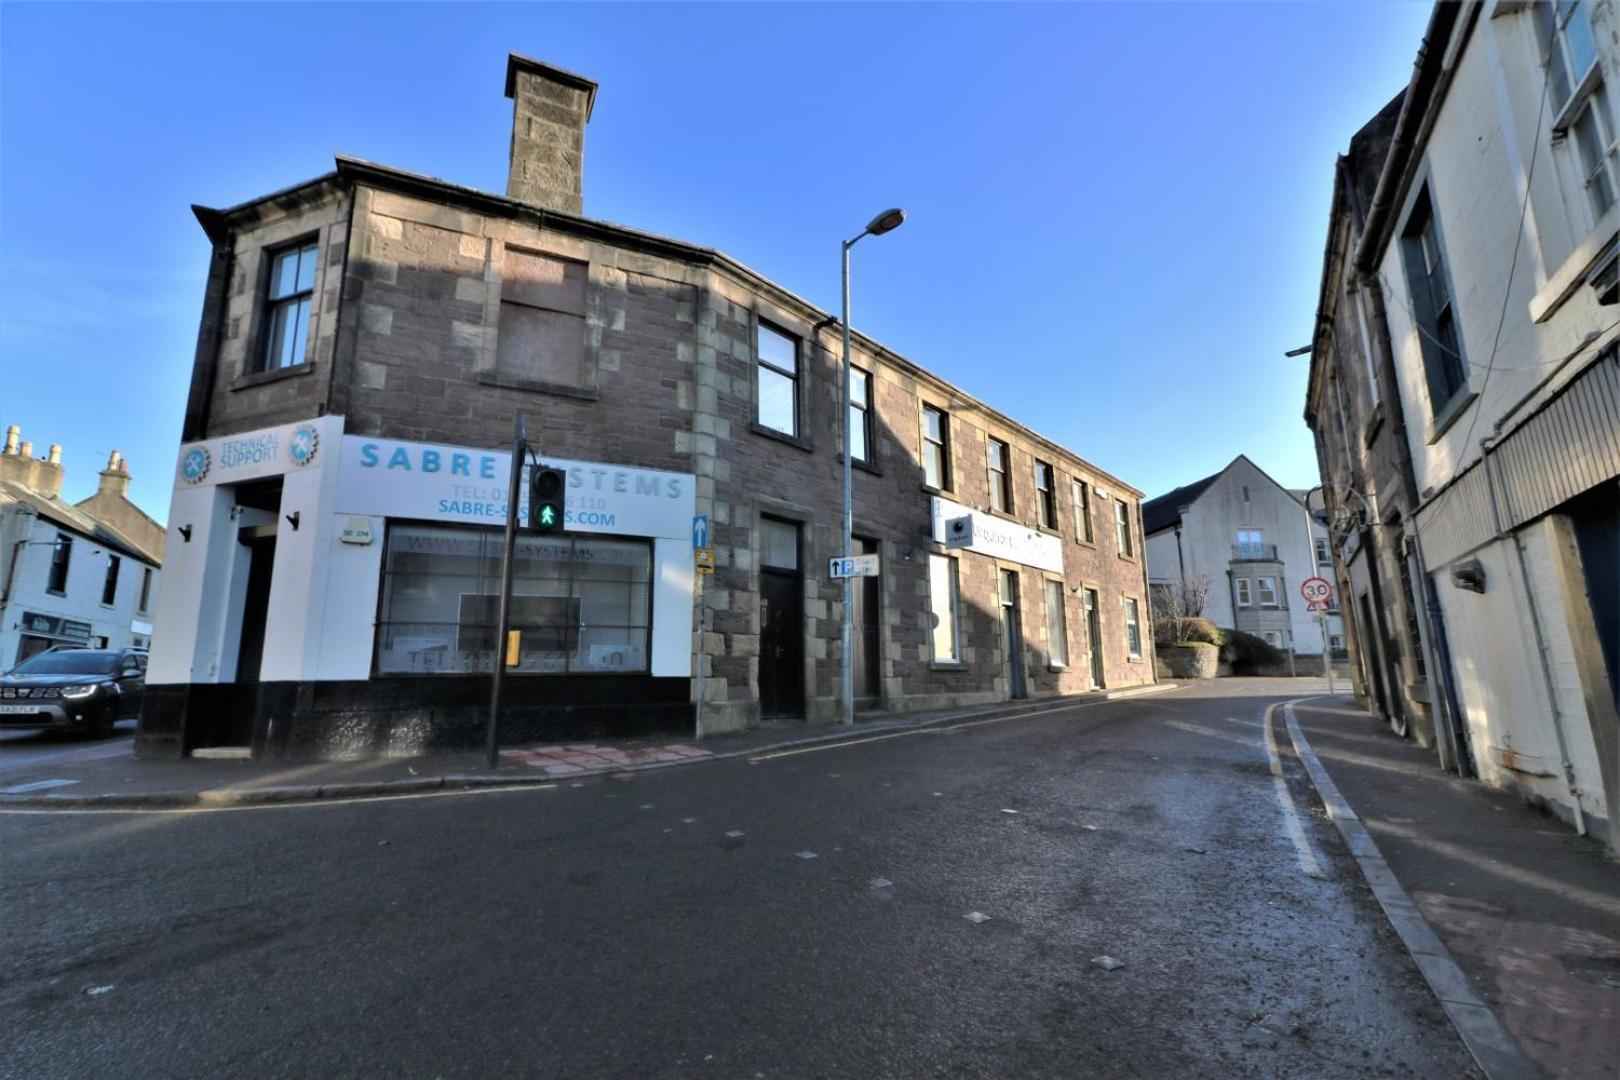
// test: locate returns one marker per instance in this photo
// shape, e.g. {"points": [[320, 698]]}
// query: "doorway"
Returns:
{"points": [[1372, 665], [1094, 638], [868, 673], [781, 621], [1012, 635]]}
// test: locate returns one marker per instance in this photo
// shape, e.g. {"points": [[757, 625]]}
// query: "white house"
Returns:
{"points": [[1252, 541]]}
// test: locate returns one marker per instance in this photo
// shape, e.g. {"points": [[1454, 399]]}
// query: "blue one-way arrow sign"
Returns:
{"points": [[700, 531]]}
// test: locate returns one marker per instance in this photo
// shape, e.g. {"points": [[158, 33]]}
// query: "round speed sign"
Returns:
{"points": [[1316, 591]]}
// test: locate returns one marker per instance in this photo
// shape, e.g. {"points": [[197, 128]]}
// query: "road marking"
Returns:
{"points": [[926, 731], [317, 803], [1293, 824]]}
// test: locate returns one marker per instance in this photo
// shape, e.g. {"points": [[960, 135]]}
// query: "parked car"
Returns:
{"points": [[83, 691]]}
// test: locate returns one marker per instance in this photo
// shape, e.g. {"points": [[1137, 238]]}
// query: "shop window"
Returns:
{"points": [[1133, 628], [777, 380], [860, 415], [109, 586], [61, 556], [582, 604], [942, 606], [542, 329], [288, 295], [1057, 632], [998, 456], [1082, 512], [936, 448], [1045, 495]]}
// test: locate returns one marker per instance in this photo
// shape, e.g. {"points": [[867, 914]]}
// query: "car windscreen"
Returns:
{"points": [[69, 662]]}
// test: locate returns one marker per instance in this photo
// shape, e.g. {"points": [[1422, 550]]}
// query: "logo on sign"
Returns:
{"points": [[304, 444], [194, 466]]}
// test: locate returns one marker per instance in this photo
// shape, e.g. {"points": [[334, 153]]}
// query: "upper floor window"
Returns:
{"points": [[1267, 587], [860, 414], [1122, 528], [146, 590], [1432, 306], [1045, 495], [61, 556], [287, 301], [109, 587], [1324, 556], [1082, 512], [542, 330], [997, 457], [777, 380], [1578, 98], [936, 448], [1251, 543]]}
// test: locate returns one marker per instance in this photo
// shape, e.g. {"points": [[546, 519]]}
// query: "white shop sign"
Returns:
{"points": [[308, 444], [998, 537], [431, 482]]}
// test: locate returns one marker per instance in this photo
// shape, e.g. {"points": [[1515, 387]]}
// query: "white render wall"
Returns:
{"points": [[87, 573]]}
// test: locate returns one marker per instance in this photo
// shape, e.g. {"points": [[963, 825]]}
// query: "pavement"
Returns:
{"points": [[1117, 888], [52, 770], [1526, 909]]}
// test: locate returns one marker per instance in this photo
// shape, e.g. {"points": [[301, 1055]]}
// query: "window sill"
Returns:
{"points": [[1127, 558], [1133, 659], [1004, 515], [1092, 544], [1045, 530], [1057, 669], [862, 464], [1568, 278], [56, 592], [538, 386], [259, 378], [1449, 415], [944, 665], [780, 436], [944, 493]]}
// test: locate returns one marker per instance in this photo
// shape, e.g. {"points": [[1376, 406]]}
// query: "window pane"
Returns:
{"points": [[281, 336], [300, 332], [1589, 140], [942, 605], [1133, 629], [284, 275], [933, 465], [306, 269], [998, 456], [857, 433], [778, 544], [1056, 628], [1578, 33], [933, 425], [776, 401], [778, 350], [858, 383]]}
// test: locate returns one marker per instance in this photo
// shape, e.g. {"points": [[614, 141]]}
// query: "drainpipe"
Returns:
{"points": [[1541, 639], [1181, 563]]}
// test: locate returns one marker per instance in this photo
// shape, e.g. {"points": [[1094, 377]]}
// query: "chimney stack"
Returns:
{"points": [[550, 108], [55, 457], [42, 476], [28, 448], [114, 478], [13, 433]]}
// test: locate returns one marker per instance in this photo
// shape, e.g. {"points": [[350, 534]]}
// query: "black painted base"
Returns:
{"points": [[401, 716]]}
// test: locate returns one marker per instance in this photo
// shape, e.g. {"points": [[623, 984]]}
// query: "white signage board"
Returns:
{"points": [[253, 455], [431, 482], [854, 566], [1000, 538]]}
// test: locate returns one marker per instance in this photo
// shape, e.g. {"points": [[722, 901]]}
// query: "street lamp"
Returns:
{"points": [[887, 221]]}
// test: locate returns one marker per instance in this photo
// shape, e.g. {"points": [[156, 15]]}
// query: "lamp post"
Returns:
{"points": [[887, 221]]}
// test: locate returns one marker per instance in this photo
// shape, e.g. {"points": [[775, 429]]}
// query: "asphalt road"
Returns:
{"points": [[617, 928], [25, 749]]}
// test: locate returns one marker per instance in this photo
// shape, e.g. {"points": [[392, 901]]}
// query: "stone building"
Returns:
{"points": [[368, 339], [1485, 256], [71, 575]]}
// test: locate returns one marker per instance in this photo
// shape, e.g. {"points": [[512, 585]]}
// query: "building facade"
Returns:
{"points": [[1489, 244], [69, 577], [368, 341], [1250, 541]]}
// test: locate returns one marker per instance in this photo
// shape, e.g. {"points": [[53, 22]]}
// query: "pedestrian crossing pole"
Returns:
{"points": [[520, 443]]}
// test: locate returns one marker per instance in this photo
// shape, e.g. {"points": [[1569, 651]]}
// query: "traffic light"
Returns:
{"points": [[548, 488]]}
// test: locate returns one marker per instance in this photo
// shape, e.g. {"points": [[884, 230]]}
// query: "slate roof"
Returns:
{"points": [[1165, 511], [70, 517]]}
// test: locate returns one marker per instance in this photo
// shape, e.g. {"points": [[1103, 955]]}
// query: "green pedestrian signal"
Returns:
{"points": [[548, 488]]}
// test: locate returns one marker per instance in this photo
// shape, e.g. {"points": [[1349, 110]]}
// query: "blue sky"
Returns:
{"points": [[1117, 211]]}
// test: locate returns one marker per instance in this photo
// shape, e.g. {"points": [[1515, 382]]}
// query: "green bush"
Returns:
{"points": [[1247, 653]]}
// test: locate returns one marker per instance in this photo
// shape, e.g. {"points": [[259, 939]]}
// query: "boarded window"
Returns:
{"points": [[542, 332]]}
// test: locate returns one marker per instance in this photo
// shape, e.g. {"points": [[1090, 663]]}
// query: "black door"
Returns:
{"points": [[781, 621], [233, 725], [867, 642], [1370, 657], [1012, 632], [1094, 638]]}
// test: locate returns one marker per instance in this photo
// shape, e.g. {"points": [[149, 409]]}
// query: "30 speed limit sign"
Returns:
{"points": [[1316, 591]]}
